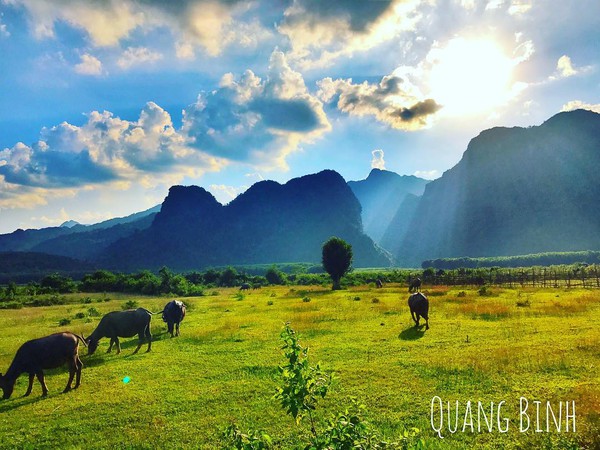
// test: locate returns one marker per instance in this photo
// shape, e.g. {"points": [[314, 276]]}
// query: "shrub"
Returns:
{"points": [[64, 321], [462, 294], [306, 299], [375, 300], [523, 303], [80, 315], [93, 312], [130, 304]]}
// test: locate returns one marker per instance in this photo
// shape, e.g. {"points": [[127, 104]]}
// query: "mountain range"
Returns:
{"points": [[515, 191]]}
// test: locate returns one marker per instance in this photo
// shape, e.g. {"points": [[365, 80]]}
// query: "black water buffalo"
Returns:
{"points": [[378, 283], [173, 314], [419, 307], [47, 352], [244, 287], [415, 285], [118, 324]]}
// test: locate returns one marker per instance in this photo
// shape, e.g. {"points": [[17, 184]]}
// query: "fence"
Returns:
{"points": [[569, 277]]}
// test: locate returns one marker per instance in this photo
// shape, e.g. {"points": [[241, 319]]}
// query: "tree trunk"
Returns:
{"points": [[336, 284]]}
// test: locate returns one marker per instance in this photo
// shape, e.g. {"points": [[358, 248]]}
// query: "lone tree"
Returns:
{"points": [[337, 259]]}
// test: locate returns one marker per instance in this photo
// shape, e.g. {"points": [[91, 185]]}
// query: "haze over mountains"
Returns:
{"points": [[515, 191]]}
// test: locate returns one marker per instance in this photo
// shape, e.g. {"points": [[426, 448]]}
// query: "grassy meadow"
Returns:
{"points": [[542, 344]]}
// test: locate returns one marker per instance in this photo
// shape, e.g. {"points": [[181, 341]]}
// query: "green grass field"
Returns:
{"points": [[223, 368]]}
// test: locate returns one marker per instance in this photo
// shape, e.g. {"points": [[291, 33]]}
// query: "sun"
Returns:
{"points": [[470, 76]]}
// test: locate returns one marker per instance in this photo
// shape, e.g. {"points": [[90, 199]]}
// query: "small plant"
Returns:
{"points": [[273, 294], [130, 304], [306, 299], [375, 300], [93, 312], [253, 440], [87, 300], [64, 321], [484, 291], [80, 315], [239, 296], [356, 299], [214, 293], [270, 303], [523, 303], [462, 294]]}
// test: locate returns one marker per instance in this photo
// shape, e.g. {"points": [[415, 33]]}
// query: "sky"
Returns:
{"points": [[104, 105]]}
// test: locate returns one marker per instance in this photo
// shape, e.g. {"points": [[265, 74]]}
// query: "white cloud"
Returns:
{"points": [[3, 30], [377, 162], [89, 65], [427, 174], [224, 194], [136, 56], [578, 104], [254, 120], [393, 101], [106, 149], [209, 24], [322, 31]]}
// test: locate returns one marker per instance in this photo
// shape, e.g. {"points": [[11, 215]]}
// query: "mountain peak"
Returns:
{"points": [[69, 224]]}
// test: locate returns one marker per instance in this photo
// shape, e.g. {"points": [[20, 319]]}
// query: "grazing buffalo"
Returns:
{"points": [[244, 287], [378, 283], [173, 314], [47, 352], [415, 285], [122, 324], [419, 307]]}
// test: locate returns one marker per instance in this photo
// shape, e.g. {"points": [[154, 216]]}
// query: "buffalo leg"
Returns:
{"points": [[72, 365], [30, 387], [177, 330], [111, 345], [414, 318], [40, 377], [140, 342], [79, 366], [149, 337], [118, 344], [426, 322]]}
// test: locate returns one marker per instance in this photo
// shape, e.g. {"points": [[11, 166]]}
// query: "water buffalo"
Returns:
{"points": [[415, 285], [244, 287], [419, 307], [378, 283], [173, 314], [122, 324], [47, 352]]}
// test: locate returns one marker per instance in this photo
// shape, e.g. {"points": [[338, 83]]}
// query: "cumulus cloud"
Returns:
{"points": [[578, 104], [393, 101], [321, 31], [104, 149], [135, 56], [89, 65], [377, 162], [427, 174], [209, 24], [224, 194], [251, 119], [3, 30]]}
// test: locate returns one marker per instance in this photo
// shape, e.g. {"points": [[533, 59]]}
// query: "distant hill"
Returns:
{"points": [[515, 191], [381, 195], [49, 240], [269, 223], [26, 266], [395, 233]]}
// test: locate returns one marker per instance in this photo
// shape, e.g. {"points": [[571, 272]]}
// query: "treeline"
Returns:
{"points": [[537, 259], [167, 282]]}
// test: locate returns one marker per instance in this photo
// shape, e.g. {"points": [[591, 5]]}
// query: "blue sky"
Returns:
{"points": [[105, 104]]}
